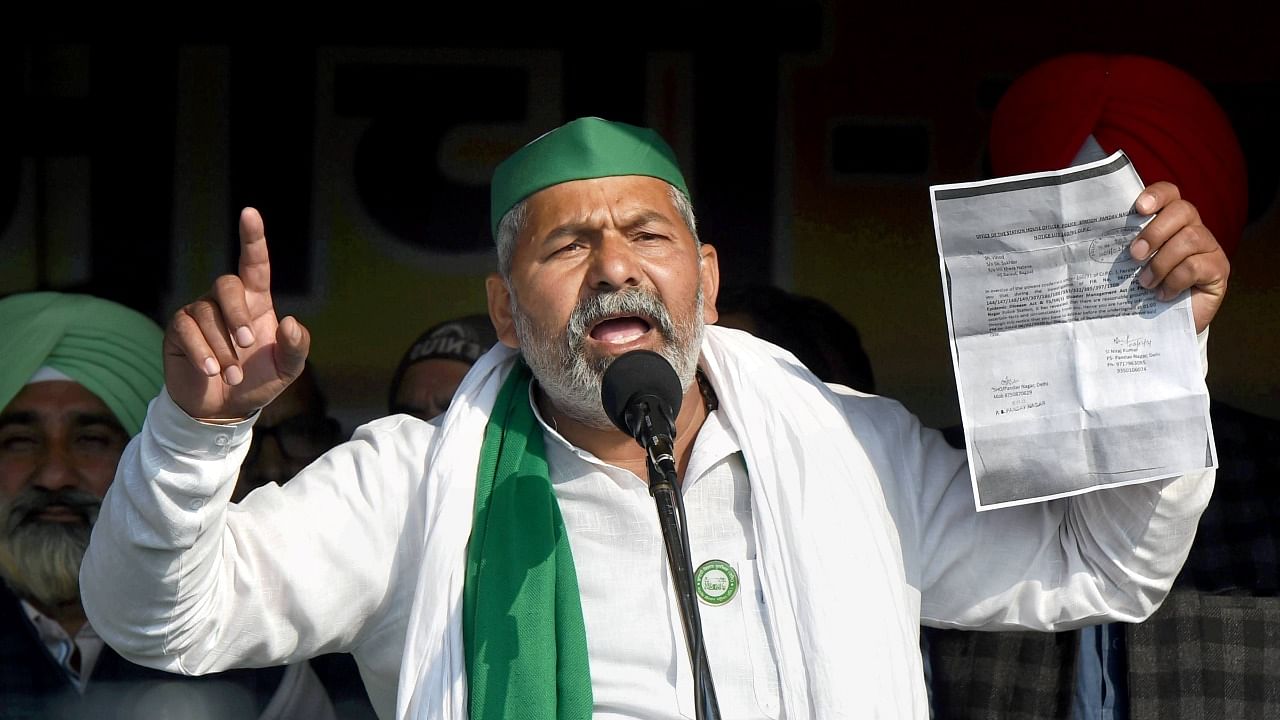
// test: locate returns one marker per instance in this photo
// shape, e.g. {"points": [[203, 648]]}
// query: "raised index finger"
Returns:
{"points": [[255, 264]]}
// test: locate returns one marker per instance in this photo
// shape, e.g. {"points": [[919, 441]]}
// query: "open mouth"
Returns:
{"points": [[620, 330]]}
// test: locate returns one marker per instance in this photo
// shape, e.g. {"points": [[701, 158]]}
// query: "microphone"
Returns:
{"points": [[641, 394]]}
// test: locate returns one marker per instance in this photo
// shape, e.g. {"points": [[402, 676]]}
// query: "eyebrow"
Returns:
{"points": [[24, 417], [28, 417], [645, 217], [87, 419]]}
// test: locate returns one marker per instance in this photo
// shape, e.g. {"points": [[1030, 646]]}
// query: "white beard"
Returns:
{"points": [[572, 380], [41, 560]]}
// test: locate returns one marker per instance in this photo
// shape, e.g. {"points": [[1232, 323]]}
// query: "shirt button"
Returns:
{"points": [[196, 504], [221, 440]]}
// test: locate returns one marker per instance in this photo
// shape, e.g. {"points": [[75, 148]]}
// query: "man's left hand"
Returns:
{"points": [[1180, 252]]}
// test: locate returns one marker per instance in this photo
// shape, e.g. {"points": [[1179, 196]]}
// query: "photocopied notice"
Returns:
{"points": [[1072, 376]]}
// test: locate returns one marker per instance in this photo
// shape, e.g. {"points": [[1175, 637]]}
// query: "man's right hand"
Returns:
{"points": [[226, 355]]}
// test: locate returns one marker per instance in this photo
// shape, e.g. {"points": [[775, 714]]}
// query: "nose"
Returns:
{"points": [[56, 469], [614, 264]]}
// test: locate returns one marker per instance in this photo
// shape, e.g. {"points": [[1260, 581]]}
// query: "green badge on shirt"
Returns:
{"points": [[716, 582]]}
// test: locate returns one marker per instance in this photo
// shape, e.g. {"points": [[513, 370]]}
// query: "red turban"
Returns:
{"points": [[1165, 121]]}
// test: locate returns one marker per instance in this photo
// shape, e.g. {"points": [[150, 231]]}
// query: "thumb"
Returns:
{"points": [[293, 343]]}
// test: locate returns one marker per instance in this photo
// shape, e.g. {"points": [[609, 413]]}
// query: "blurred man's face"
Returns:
{"points": [[292, 431], [427, 388], [59, 446]]}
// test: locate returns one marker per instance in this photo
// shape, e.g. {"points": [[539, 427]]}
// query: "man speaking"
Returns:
{"points": [[505, 560]]}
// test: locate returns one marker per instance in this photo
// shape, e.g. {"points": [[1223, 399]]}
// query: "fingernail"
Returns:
{"points": [[244, 336], [210, 367], [1146, 203], [1147, 278], [234, 375], [294, 330], [1139, 249]]}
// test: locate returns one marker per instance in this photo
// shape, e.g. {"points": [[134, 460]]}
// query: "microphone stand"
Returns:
{"points": [[661, 462]]}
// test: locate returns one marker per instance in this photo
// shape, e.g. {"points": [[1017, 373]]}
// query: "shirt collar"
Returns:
{"points": [[61, 646], [716, 441]]}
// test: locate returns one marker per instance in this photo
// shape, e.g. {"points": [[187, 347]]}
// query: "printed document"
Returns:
{"points": [[1072, 377]]}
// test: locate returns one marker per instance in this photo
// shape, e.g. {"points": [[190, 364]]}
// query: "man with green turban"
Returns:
{"points": [[108, 348], [504, 560], [76, 375]]}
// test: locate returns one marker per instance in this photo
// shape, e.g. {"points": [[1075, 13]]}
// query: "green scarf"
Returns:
{"points": [[525, 641]]}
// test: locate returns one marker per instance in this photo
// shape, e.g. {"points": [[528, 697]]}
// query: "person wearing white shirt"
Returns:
{"points": [[503, 559]]}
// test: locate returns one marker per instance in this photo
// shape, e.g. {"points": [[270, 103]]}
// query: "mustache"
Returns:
{"points": [[631, 301], [33, 500]]}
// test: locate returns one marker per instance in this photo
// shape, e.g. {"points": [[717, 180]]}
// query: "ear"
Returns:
{"points": [[500, 309], [709, 276]]}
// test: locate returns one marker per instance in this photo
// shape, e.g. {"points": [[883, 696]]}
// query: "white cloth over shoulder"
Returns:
{"points": [[824, 533]]}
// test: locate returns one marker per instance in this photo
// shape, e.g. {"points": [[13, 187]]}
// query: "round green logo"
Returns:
{"points": [[716, 582]]}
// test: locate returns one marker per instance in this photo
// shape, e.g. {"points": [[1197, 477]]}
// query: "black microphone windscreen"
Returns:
{"points": [[637, 373]]}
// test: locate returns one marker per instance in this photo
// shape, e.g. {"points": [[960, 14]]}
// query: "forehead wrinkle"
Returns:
{"points": [[625, 220], [570, 230], [602, 202]]}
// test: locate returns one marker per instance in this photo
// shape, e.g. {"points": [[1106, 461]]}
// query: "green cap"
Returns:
{"points": [[583, 149], [114, 352]]}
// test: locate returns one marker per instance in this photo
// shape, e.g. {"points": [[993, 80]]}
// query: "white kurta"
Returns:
{"points": [[635, 641], [179, 579]]}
